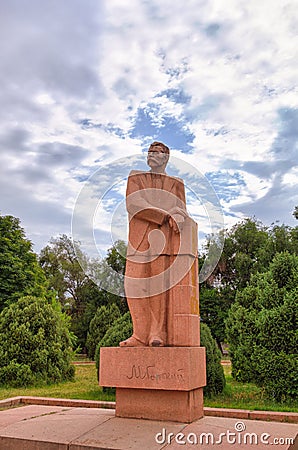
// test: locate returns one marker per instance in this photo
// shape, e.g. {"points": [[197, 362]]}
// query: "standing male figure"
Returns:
{"points": [[156, 207]]}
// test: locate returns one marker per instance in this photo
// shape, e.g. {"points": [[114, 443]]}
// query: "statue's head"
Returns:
{"points": [[158, 156]]}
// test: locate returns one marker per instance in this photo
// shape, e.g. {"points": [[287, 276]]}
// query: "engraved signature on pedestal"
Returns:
{"points": [[152, 373]]}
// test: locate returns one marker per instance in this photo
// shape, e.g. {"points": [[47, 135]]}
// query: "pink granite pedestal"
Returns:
{"points": [[163, 383]]}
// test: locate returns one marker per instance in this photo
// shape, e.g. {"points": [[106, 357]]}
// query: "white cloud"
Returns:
{"points": [[291, 178], [75, 76]]}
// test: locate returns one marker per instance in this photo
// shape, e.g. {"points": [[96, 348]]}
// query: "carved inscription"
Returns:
{"points": [[152, 373]]}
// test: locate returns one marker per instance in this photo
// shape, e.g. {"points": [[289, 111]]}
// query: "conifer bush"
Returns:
{"points": [[215, 375], [262, 330], [101, 322], [36, 344]]}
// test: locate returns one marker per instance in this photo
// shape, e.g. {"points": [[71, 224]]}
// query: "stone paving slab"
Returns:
{"points": [[47, 428], [134, 434], [125, 434], [15, 415], [66, 428], [230, 433]]}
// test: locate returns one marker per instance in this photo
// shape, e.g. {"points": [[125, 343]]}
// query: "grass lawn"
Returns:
{"points": [[246, 396], [85, 386]]}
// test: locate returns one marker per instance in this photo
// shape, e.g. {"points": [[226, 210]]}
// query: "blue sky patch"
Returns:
{"points": [[109, 128], [172, 132], [176, 95], [226, 185]]}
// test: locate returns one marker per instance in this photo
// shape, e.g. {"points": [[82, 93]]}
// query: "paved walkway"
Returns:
{"points": [[40, 427]]}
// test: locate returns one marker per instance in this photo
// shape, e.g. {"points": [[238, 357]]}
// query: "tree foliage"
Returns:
{"points": [[77, 293], [35, 343], [214, 307], [116, 256], [241, 253], [99, 325], [63, 270], [20, 273], [262, 329], [108, 274], [215, 375], [249, 248]]}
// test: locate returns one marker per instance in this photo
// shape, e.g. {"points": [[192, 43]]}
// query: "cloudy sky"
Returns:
{"points": [[88, 83]]}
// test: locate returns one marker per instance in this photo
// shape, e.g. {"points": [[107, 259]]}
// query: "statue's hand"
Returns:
{"points": [[176, 222]]}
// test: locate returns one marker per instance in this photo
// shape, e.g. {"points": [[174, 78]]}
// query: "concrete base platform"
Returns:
{"points": [[38, 427]]}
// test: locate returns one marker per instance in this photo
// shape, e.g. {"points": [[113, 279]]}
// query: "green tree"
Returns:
{"points": [[242, 253], [20, 273], [108, 274], [215, 303], [99, 325], [35, 343], [215, 375], [262, 329], [295, 212], [249, 248], [64, 272], [282, 238], [116, 256], [78, 295], [91, 297], [62, 261]]}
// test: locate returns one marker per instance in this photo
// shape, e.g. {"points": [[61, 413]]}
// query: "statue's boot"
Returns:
{"points": [[132, 342], [156, 342]]}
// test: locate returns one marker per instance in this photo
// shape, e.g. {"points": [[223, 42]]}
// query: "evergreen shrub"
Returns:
{"points": [[262, 330], [36, 345]]}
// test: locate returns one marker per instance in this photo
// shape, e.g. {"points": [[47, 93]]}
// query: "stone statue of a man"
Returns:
{"points": [[157, 210]]}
